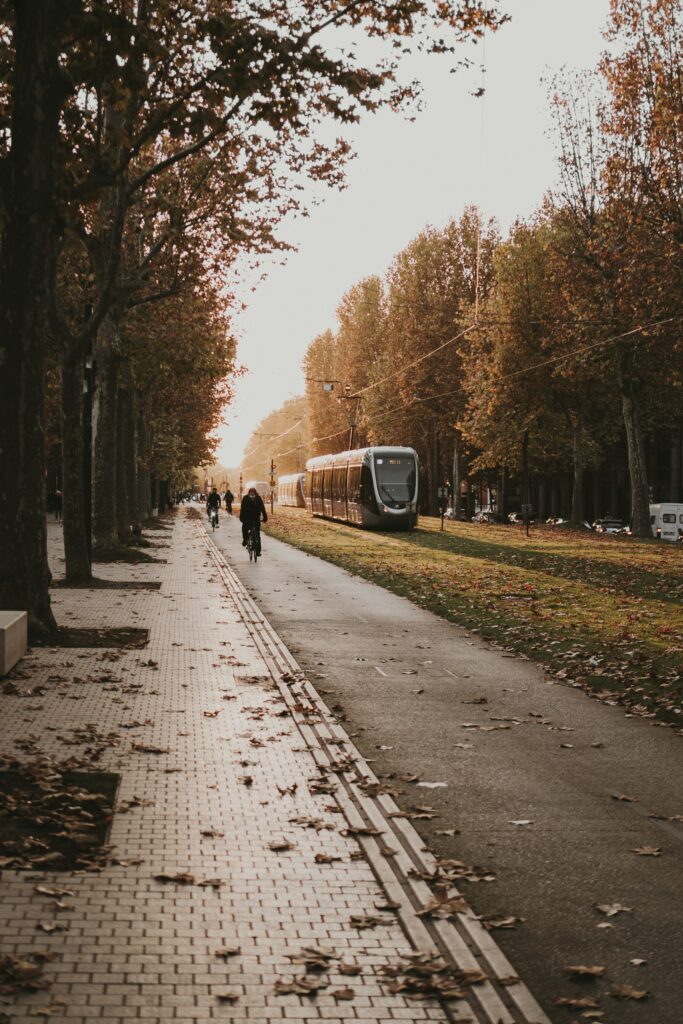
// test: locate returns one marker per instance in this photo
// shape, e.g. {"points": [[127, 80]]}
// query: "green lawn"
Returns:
{"points": [[605, 613]]}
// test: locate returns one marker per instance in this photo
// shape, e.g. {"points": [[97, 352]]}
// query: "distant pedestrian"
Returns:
{"points": [[57, 505], [228, 498]]}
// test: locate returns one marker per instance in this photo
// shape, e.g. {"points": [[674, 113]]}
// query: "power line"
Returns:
{"points": [[508, 376], [276, 437], [409, 366]]}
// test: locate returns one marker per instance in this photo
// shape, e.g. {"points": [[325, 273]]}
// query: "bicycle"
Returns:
{"points": [[213, 517], [253, 543]]}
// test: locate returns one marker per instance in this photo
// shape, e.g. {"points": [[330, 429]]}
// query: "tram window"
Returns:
{"points": [[367, 491], [354, 484], [395, 479], [340, 484]]}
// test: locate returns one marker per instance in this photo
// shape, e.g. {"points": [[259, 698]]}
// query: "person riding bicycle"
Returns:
{"points": [[251, 511], [213, 501]]}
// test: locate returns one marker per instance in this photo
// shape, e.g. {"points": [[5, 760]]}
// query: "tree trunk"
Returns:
{"points": [[577, 512], [675, 485], [144, 502], [640, 499], [105, 533], [76, 555], [132, 443], [541, 512], [597, 493], [122, 521], [457, 457], [26, 282], [503, 496]]}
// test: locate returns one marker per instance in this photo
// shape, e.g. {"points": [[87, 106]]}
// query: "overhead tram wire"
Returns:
{"points": [[272, 439], [506, 376]]}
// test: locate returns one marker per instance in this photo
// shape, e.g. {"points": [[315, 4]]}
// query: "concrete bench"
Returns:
{"points": [[13, 639]]}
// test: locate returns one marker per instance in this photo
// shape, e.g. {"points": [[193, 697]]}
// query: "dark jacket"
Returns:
{"points": [[252, 509], [214, 500]]}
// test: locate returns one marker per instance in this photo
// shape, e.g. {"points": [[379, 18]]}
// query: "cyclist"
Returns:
{"points": [[213, 501], [228, 498], [251, 511]]}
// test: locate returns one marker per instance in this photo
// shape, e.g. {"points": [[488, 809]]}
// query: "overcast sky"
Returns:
{"points": [[495, 152]]}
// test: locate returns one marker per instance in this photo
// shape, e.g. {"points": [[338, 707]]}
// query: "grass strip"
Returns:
{"points": [[599, 612]]}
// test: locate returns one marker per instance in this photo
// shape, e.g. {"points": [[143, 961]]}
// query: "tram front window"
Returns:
{"points": [[395, 479]]}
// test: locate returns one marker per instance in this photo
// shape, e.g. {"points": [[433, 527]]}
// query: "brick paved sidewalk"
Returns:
{"points": [[138, 948]]}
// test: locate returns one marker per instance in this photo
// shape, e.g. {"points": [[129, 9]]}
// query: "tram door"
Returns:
{"points": [[327, 491], [339, 492]]}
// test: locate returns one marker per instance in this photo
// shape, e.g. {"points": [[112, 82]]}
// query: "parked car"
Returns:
{"points": [[608, 525], [555, 521], [517, 518], [666, 520], [487, 517]]}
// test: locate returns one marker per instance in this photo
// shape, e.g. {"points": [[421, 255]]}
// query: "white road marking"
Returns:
{"points": [[380, 671], [450, 673]]}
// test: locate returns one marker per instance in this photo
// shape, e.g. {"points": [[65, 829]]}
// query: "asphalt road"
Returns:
{"points": [[531, 794]]}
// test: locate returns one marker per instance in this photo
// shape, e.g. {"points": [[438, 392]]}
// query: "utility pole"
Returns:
{"points": [[351, 413], [272, 484]]}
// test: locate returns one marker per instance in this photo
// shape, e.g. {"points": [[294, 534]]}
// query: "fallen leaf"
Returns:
{"points": [[52, 926], [362, 921], [349, 969], [443, 907], [448, 832], [211, 714], [522, 821], [638, 962], [622, 798], [299, 986], [212, 833], [281, 845], [326, 858], [581, 971], [182, 878], [343, 993], [501, 922], [628, 992], [227, 951], [610, 909], [648, 851], [229, 995], [585, 1003]]}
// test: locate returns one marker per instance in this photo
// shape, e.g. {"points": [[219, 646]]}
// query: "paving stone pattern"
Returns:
{"points": [[136, 948]]}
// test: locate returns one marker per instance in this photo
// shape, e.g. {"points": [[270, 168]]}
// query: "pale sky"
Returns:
{"points": [[494, 152]]}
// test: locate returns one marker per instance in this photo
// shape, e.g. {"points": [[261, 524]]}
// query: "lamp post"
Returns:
{"points": [[88, 388]]}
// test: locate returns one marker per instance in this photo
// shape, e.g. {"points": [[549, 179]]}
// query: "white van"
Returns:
{"points": [[666, 520]]}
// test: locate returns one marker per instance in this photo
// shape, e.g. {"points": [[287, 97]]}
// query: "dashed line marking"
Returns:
{"points": [[380, 671]]}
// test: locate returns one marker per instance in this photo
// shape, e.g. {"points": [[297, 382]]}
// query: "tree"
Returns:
{"points": [[167, 81], [281, 438], [621, 154]]}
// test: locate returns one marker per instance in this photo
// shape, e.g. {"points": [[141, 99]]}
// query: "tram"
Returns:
{"points": [[370, 487], [261, 487], [291, 490]]}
